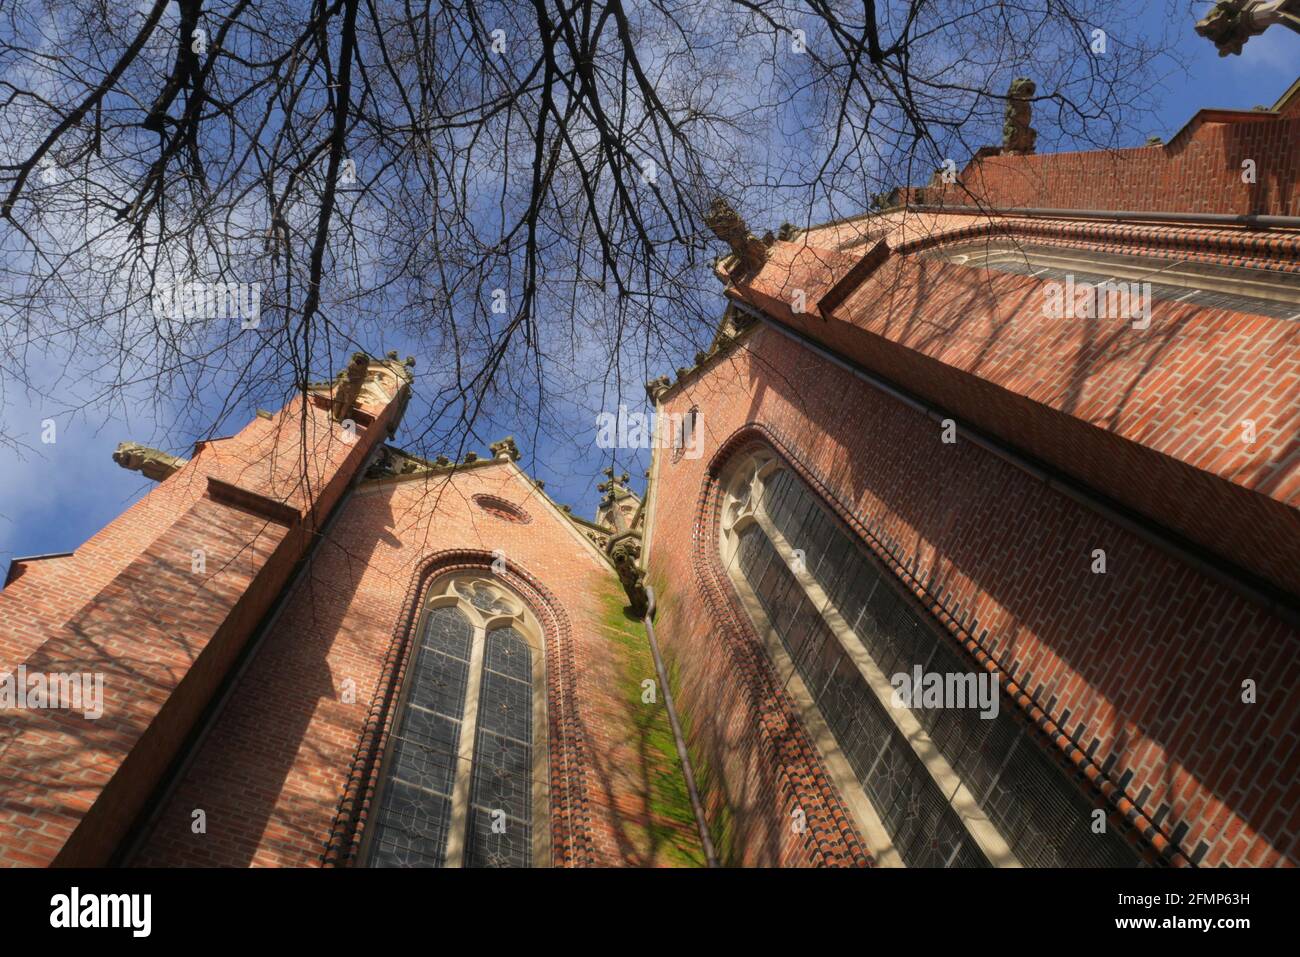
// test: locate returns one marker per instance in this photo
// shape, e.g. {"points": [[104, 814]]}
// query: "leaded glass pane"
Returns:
{"points": [[776, 492], [508, 654], [813, 665], [502, 773], [752, 554], [486, 598], [798, 614], [439, 684], [501, 791], [505, 706], [1031, 800], [488, 848], [448, 631], [411, 828], [412, 823]]}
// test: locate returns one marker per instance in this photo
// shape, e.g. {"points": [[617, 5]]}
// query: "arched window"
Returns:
{"points": [[943, 786], [1264, 292], [463, 781]]}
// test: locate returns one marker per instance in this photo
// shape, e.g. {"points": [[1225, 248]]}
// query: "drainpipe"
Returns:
{"points": [[710, 856]]}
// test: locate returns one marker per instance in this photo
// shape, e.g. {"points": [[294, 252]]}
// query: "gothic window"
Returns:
{"points": [[1264, 292], [464, 778], [944, 786]]}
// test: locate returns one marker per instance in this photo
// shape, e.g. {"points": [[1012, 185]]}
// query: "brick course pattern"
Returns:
{"points": [[1198, 171], [287, 773], [1153, 417], [1135, 675], [132, 605]]}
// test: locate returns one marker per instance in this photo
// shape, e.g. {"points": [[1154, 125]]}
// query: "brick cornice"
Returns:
{"points": [[1262, 249]]}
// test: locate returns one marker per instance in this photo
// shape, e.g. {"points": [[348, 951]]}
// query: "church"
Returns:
{"points": [[972, 540]]}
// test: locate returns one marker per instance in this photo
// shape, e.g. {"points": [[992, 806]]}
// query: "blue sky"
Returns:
{"points": [[54, 496]]}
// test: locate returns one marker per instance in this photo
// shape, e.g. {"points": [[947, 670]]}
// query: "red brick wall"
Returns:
{"points": [[1199, 171], [285, 751], [1141, 668], [1151, 417], [128, 605]]}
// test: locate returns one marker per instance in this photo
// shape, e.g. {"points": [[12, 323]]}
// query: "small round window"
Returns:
{"points": [[500, 508]]}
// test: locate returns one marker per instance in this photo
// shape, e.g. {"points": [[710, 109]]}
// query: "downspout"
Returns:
{"points": [[688, 773]]}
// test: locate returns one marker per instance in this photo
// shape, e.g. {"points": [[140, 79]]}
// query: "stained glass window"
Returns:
{"points": [[412, 823], [443, 802], [1041, 814], [499, 834]]}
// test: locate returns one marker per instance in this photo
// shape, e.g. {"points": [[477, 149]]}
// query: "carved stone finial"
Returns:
{"points": [[617, 484], [442, 461], [471, 457], [727, 225], [348, 386], [619, 505], [1232, 22], [735, 321], [391, 462], [657, 387], [151, 463], [505, 448], [1018, 137], [624, 550]]}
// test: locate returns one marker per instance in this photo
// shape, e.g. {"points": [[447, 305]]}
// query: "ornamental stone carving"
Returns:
{"points": [[1232, 22], [727, 225], [1018, 137], [151, 463]]}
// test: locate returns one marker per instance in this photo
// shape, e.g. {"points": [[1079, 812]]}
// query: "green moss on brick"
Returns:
{"points": [[720, 820], [671, 834]]}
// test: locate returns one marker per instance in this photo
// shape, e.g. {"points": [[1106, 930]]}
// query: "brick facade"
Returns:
{"points": [[260, 688], [1198, 171], [1134, 676], [1153, 417], [134, 605], [288, 772]]}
